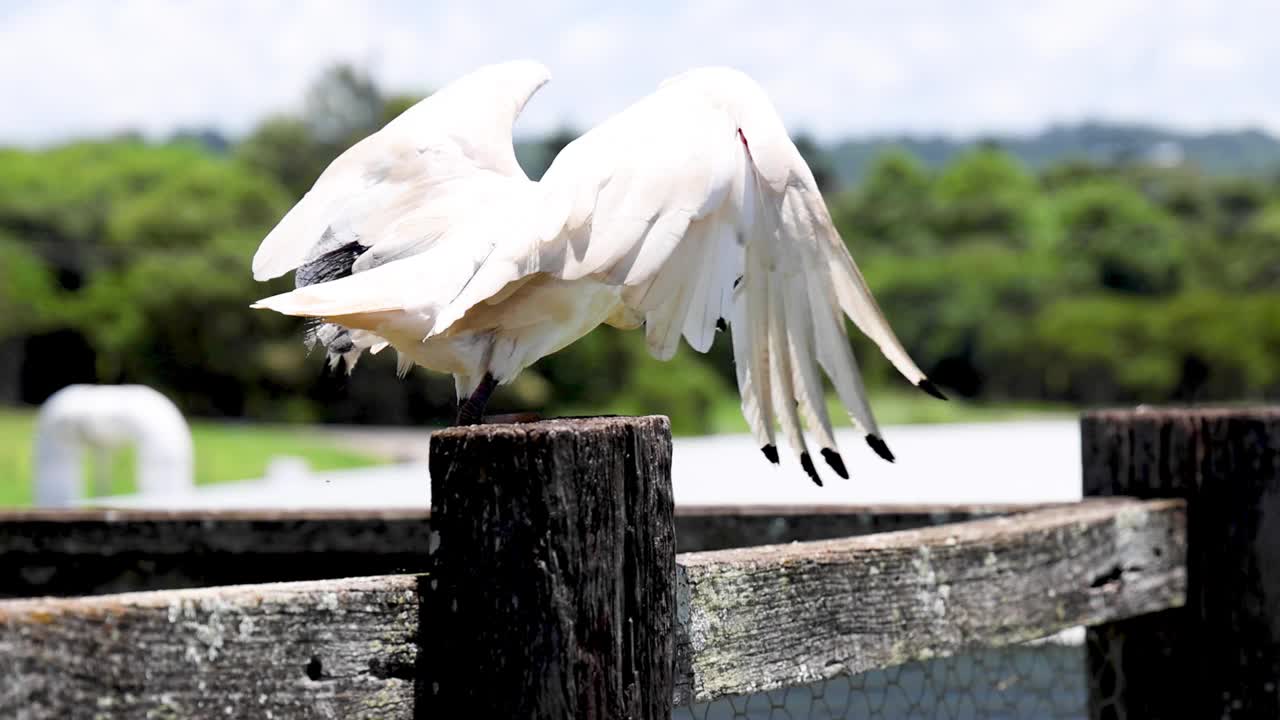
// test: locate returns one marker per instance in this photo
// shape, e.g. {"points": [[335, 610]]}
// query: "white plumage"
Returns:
{"points": [[689, 209]]}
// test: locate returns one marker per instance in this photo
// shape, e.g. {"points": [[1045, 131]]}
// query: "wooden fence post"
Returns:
{"points": [[552, 583], [1219, 656]]}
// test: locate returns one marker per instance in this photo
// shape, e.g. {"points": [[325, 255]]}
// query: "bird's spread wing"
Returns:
{"points": [[708, 220], [392, 194]]}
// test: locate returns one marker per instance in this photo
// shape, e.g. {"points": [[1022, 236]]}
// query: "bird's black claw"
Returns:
{"points": [[771, 452], [930, 388], [835, 461], [806, 462], [878, 445]]}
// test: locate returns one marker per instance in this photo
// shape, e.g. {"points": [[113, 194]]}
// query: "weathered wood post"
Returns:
{"points": [[552, 583], [1219, 656]]}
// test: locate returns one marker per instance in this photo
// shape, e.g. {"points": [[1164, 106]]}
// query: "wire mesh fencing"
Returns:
{"points": [[1042, 680]]}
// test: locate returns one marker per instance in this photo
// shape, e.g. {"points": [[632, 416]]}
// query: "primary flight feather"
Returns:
{"points": [[688, 212]]}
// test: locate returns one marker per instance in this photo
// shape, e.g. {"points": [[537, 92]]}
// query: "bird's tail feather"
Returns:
{"points": [[341, 345], [788, 321]]}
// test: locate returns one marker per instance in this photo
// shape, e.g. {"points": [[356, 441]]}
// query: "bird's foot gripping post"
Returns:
{"points": [[552, 584], [471, 409]]}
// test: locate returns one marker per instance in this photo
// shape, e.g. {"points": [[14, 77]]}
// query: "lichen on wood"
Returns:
{"points": [[327, 649], [762, 618]]}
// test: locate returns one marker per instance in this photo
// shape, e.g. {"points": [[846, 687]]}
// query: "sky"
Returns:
{"points": [[71, 68]]}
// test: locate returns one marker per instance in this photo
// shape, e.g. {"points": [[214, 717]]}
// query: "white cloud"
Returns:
{"points": [[85, 67]]}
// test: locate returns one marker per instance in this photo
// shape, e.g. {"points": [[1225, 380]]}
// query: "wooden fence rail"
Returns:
{"points": [[94, 552], [545, 583], [748, 619], [763, 618]]}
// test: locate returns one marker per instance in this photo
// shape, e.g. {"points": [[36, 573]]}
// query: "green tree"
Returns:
{"points": [[171, 308], [986, 195], [1250, 259], [283, 147], [342, 104], [890, 212], [28, 292], [1114, 238], [964, 314]]}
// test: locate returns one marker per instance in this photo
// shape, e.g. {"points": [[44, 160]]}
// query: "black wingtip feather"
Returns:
{"points": [[770, 452], [878, 445], [836, 462], [806, 462], [720, 325], [930, 388]]}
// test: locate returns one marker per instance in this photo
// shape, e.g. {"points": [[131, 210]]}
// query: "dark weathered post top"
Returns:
{"points": [[1218, 657], [552, 582]]}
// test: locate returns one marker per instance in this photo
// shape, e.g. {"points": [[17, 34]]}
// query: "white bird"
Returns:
{"points": [[687, 213]]}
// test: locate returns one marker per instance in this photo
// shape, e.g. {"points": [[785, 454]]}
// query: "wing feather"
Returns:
{"points": [[673, 288], [807, 381], [699, 214], [857, 302], [721, 265], [782, 377], [755, 284], [458, 132], [760, 248]]}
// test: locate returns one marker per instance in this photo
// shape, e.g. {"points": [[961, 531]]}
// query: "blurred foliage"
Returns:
{"points": [[341, 107], [28, 299], [1114, 238], [1083, 282], [1226, 152], [1091, 284]]}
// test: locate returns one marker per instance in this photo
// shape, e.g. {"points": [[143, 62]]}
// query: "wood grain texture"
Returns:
{"points": [[82, 552], [553, 570], [329, 649], [709, 527], [747, 619], [763, 618], [94, 552], [1219, 656]]}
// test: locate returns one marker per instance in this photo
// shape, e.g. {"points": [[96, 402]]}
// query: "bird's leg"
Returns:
{"points": [[471, 410]]}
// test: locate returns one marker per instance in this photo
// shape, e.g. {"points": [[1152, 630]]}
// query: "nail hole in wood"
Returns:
{"points": [[314, 668]]}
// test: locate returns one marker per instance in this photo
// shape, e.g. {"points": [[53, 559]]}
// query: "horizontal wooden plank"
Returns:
{"points": [[748, 619], [768, 617], [715, 527], [123, 515], [109, 532], [95, 552], [90, 552], [151, 514], [330, 649]]}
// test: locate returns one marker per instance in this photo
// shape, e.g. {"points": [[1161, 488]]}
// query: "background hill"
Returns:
{"points": [[1241, 152]]}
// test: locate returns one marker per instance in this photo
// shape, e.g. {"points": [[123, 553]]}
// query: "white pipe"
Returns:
{"points": [[110, 416]]}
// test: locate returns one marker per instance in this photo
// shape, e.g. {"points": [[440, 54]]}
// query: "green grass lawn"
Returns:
{"points": [[224, 451]]}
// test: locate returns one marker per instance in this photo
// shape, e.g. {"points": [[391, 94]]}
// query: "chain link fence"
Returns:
{"points": [[1043, 680]]}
